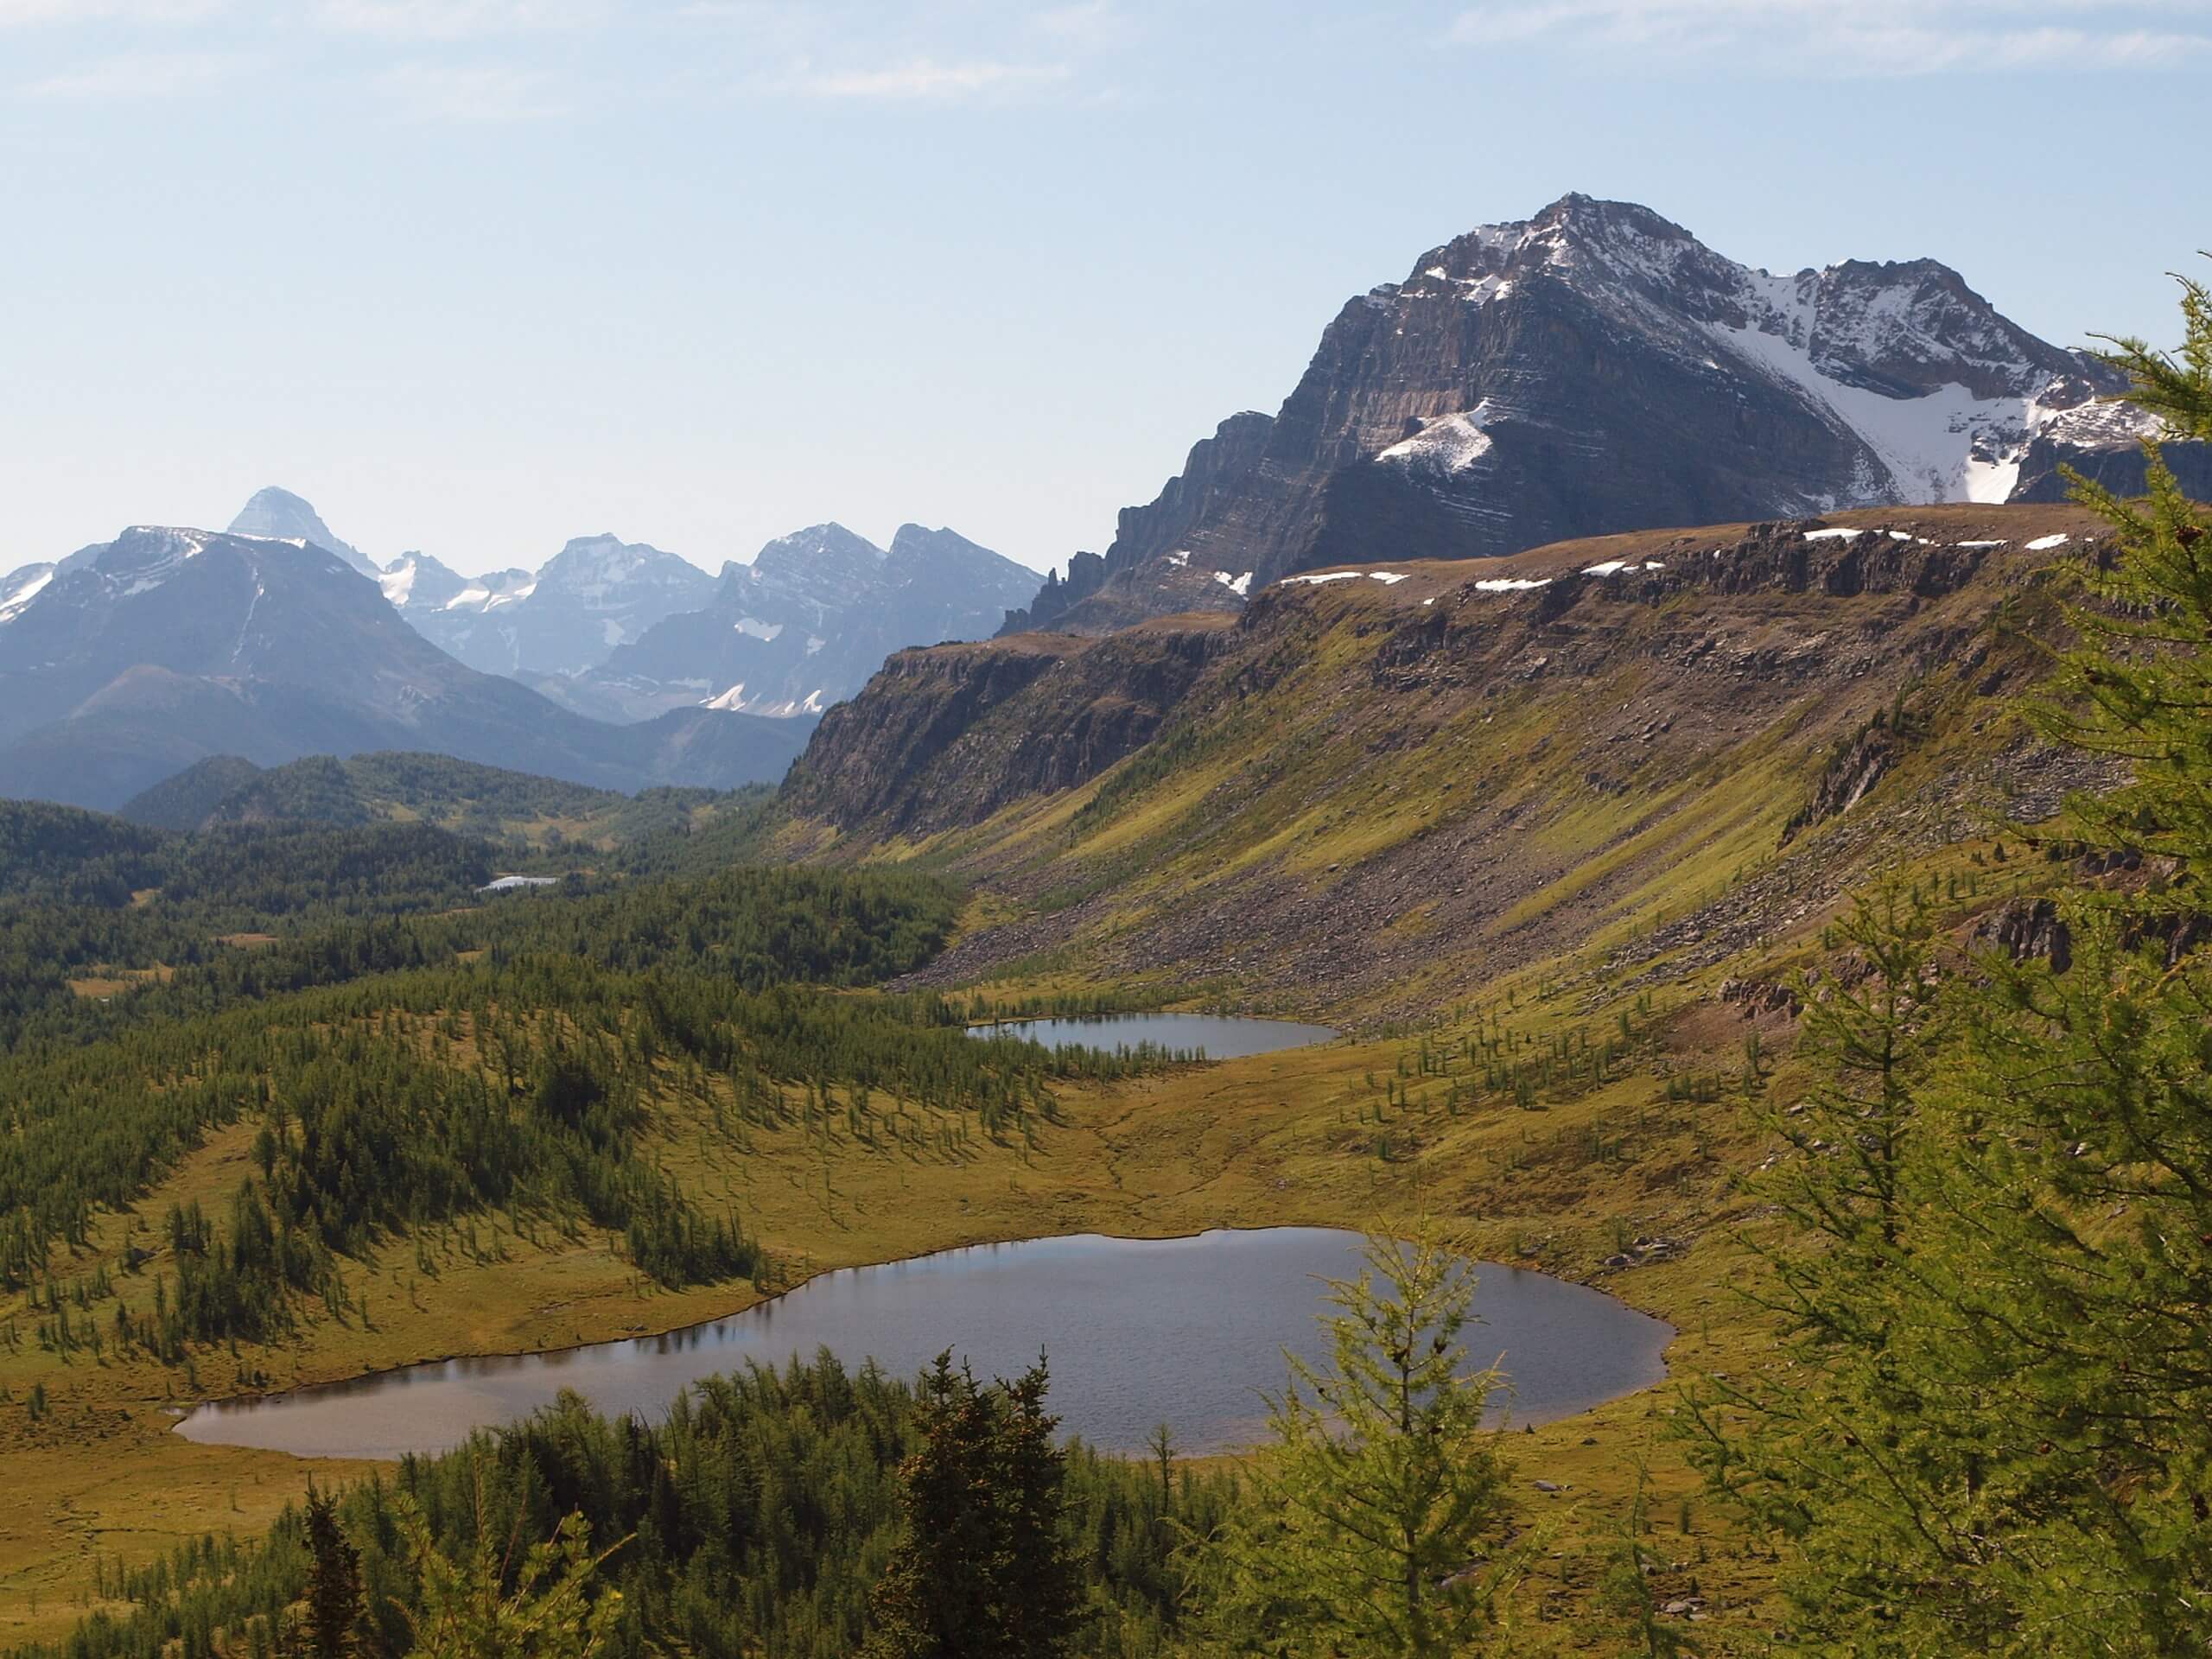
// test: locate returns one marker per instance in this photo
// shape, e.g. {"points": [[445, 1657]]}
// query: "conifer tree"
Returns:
{"points": [[985, 1568], [1988, 1429], [1381, 1516], [333, 1594], [468, 1611]]}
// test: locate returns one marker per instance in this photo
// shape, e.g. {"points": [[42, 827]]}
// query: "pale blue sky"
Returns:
{"points": [[476, 275]]}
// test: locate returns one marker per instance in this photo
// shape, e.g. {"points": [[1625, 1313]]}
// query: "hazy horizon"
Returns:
{"points": [[475, 277]]}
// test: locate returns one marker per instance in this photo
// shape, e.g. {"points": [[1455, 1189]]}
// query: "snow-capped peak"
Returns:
{"points": [[1942, 393]]}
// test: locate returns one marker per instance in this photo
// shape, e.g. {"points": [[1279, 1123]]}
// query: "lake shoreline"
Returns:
{"points": [[614, 1354]]}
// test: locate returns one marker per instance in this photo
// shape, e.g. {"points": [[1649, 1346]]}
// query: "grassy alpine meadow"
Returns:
{"points": [[1553, 1132]]}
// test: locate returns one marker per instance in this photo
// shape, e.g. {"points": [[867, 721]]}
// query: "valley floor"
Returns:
{"points": [[1286, 1138]]}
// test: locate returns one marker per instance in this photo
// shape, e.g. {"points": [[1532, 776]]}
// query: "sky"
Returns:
{"points": [[479, 276]]}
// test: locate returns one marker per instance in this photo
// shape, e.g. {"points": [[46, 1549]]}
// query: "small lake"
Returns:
{"points": [[1137, 1331], [1223, 1037]]}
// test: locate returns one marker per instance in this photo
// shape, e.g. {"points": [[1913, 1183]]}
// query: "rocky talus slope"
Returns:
{"points": [[1379, 783]]}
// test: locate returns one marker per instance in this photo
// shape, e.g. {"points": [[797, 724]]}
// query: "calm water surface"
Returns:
{"points": [[1137, 1331], [1224, 1037]]}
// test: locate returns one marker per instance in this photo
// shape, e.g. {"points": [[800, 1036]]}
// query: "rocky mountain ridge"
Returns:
{"points": [[277, 515], [1375, 781], [623, 631], [1595, 369]]}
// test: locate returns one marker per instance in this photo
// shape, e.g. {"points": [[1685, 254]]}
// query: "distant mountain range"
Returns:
{"points": [[622, 631], [132, 659], [806, 623], [596, 595], [1597, 369]]}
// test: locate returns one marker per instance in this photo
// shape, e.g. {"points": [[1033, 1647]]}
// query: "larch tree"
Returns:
{"points": [[1990, 1432], [1381, 1524]]}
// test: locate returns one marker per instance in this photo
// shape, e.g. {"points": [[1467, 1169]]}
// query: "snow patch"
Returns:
{"points": [[1387, 578], [1315, 581], [753, 628], [1839, 534], [1511, 584], [1946, 445], [1981, 544], [1605, 568], [399, 582], [2044, 543], [13, 600], [1239, 586], [1450, 444], [813, 704], [1180, 558], [731, 699]]}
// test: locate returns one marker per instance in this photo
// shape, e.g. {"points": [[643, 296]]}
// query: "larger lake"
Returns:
{"points": [[1138, 1332]]}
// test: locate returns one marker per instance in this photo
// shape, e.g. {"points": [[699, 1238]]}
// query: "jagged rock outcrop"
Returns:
{"points": [[2029, 930], [943, 738], [1597, 369], [1198, 516]]}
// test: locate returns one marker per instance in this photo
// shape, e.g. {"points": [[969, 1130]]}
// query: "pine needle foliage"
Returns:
{"points": [[1381, 1521], [1987, 1428]]}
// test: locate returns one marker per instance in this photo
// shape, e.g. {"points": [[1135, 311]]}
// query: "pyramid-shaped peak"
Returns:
{"points": [[278, 514]]}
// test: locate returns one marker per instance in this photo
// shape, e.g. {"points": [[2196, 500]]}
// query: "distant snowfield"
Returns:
{"points": [[15, 598]]}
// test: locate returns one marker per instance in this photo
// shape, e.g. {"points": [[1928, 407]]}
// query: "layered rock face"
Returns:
{"points": [[1597, 369], [1419, 772], [944, 737]]}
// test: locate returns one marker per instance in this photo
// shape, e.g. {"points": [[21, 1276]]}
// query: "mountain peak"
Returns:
{"points": [[1595, 368], [277, 515]]}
